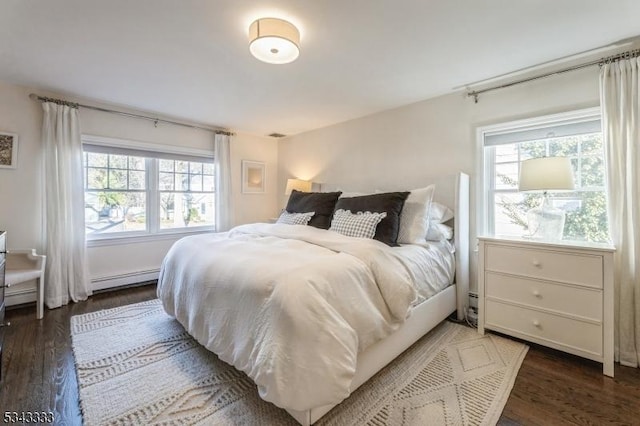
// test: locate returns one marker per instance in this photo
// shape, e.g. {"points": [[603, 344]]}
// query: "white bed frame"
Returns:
{"points": [[450, 191]]}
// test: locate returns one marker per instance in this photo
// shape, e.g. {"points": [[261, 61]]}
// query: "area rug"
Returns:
{"points": [[137, 366]]}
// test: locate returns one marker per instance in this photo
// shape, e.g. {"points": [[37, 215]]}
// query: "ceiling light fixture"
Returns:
{"points": [[274, 41]]}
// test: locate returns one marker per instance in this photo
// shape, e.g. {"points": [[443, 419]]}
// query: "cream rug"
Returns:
{"points": [[137, 366]]}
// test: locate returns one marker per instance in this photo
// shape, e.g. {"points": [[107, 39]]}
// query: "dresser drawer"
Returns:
{"points": [[545, 328], [581, 269], [583, 302]]}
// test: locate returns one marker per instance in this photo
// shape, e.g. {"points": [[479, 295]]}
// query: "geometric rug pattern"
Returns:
{"points": [[137, 366]]}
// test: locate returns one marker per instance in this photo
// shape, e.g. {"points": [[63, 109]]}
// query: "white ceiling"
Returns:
{"points": [[190, 59]]}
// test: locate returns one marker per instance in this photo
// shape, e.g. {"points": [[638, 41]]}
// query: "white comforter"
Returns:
{"points": [[289, 305]]}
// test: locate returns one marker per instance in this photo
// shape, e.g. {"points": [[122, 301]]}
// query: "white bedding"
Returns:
{"points": [[290, 305], [432, 266]]}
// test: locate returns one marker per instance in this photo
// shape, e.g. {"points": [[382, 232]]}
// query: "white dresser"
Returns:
{"points": [[556, 294]]}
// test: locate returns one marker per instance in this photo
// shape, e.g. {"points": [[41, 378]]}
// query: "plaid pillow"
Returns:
{"points": [[360, 224], [295, 218]]}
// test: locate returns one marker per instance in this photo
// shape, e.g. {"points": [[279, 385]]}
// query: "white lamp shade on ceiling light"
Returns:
{"points": [[274, 41], [298, 185], [546, 174]]}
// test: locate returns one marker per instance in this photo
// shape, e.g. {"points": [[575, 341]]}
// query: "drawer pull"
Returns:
{"points": [[536, 293], [536, 263], [536, 323]]}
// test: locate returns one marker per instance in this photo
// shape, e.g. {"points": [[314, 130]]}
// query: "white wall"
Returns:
{"points": [[405, 146], [21, 189]]}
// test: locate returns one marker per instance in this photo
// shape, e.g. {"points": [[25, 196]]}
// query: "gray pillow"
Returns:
{"points": [[322, 203]]}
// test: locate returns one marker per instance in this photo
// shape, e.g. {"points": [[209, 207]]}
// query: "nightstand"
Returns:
{"points": [[556, 294]]}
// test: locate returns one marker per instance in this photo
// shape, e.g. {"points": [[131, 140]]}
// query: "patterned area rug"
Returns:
{"points": [[137, 366]]}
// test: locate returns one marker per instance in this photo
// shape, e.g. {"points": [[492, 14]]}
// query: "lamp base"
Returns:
{"points": [[545, 221]]}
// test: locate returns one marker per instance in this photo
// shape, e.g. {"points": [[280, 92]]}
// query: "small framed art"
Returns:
{"points": [[253, 177], [8, 150]]}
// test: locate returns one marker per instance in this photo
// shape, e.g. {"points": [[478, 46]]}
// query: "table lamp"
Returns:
{"points": [[544, 174], [298, 185]]}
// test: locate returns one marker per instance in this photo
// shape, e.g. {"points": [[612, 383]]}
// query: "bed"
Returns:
{"points": [[308, 354]]}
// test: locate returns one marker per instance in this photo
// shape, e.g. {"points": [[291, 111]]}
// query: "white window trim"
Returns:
{"points": [[153, 233], [482, 218], [130, 238], [146, 146]]}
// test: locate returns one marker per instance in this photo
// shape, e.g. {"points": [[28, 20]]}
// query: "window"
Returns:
{"points": [[575, 135], [186, 193], [132, 191]]}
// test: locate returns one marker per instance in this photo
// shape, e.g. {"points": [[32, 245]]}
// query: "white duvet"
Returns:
{"points": [[289, 305]]}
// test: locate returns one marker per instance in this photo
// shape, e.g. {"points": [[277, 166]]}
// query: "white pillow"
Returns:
{"points": [[295, 218], [360, 225], [439, 232], [439, 213], [351, 194], [414, 219]]}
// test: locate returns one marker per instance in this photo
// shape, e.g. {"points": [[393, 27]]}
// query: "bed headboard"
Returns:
{"points": [[452, 191]]}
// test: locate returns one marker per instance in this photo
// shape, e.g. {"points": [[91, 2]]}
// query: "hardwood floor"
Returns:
{"points": [[552, 388], [38, 364]]}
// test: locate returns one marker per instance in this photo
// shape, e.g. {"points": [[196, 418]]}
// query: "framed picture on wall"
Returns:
{"points": [[253, 177], [8, 150]]}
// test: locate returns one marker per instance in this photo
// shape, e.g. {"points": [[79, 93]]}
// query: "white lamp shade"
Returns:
{"points": [[298, 185], [544, 174], [274, 41]]}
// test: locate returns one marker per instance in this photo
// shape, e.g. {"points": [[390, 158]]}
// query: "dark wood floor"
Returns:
{"points": [[552, 388]]}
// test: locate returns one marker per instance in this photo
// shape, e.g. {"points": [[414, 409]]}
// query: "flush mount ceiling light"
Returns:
{"points": [[274, 41]]}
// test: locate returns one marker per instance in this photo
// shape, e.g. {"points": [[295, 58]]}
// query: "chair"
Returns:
{"points": [[23, 266]]}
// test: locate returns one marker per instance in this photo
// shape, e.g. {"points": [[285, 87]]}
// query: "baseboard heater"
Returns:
{"points": [[105, 282], [20, 295]]}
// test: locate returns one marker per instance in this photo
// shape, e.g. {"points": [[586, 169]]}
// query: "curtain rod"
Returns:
{"points": [[35, 97], [624, 55]]}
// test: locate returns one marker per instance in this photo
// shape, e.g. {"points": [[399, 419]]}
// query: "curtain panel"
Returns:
{"points": [[67, 275], [223, 196], [619, 97]]}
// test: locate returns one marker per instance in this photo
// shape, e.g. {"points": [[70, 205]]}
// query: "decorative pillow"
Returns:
{"points": [[414, 220], [295, 218], [439, 213], [389, 202], [322, 203], [439, 232], [359, 225]]}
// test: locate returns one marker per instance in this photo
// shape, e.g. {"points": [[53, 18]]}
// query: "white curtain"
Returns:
{"points": [[67, 277], [619, 97], [224, 202]]}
